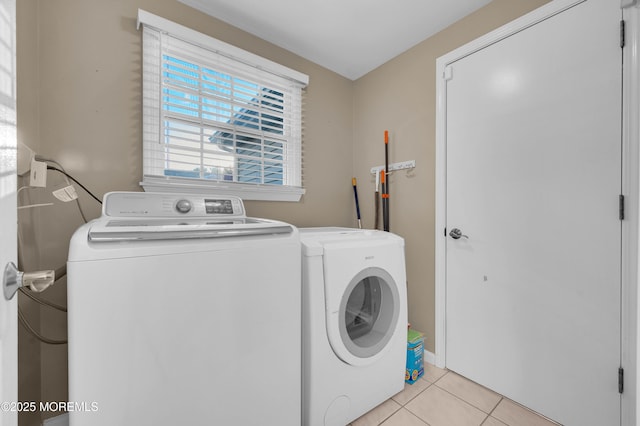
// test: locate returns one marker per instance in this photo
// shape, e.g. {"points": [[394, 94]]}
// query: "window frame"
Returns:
{"points": [[292, 190]]}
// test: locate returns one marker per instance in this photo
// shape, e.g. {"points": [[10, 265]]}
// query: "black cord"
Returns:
{"points": [[55, 163], [35, 334], [74, 179], [41, 301]]}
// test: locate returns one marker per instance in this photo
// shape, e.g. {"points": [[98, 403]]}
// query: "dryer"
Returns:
{"points": [[354, 322], [183, 311]]}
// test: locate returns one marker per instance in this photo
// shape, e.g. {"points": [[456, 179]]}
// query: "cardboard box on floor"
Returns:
{"points": [[415, 356]]}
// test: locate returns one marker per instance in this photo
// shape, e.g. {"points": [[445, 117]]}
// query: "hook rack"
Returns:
{"points": [[411, 164]]}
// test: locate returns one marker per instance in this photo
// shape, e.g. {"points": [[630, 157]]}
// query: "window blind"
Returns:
{"points": [[211, 119]]}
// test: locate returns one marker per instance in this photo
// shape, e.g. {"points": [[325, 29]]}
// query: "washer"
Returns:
{"points": [[354, 322], [183, 311]]}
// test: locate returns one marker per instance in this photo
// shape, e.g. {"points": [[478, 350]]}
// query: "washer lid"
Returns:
{"points": [[175, 229]]}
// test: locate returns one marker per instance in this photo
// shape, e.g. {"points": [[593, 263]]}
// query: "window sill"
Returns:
{"points": [[244, 191]]}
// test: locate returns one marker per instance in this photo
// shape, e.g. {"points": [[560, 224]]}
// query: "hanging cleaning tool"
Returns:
{"points": [[355, 194], [385, 191], [376, 220], [385, 201]]}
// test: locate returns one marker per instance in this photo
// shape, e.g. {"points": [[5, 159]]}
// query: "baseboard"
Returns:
{"points": [[429, 357]]}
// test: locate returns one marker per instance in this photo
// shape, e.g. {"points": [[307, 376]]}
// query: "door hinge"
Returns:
{"points": [[445, 232], [622, 38], [620, 380], [621, 207]]}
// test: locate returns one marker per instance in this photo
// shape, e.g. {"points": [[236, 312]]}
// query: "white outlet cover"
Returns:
{"points": [[38, 174]]}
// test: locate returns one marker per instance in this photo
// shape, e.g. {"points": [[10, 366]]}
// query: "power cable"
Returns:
{"points": [[35, 334], [55, 163], [42, 301], [75, 180]]}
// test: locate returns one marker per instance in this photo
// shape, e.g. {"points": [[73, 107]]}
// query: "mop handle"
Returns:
{"points": [[376, 200], [385, 201], [385, 187], [355, 194], [385, 192]]}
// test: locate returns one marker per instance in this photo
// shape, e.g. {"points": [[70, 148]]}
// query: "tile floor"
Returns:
{"points": [[443, 398]]}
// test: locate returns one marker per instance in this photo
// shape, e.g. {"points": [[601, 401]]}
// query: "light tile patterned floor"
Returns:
{"points": [[443, 398]]}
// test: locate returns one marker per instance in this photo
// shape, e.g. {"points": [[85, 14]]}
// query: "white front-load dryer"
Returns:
{"points": [[354, 322]]}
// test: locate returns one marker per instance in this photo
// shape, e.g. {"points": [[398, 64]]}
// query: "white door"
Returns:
{"points": [[533, 140], [8, 213]]}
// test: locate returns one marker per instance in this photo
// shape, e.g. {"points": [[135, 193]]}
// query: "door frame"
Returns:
{"points": [[630, 320], [8, 212]]}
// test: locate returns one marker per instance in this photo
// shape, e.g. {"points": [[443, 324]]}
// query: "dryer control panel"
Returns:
{"points": [[151, 204]]}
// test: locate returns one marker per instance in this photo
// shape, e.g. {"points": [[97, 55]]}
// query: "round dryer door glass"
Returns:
{"points": [[369, 312]]}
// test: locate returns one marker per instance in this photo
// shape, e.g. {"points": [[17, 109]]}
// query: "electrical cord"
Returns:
{"points": [[60, 272], [49, 167], [42, 301], [55, 163], [35, 334]]}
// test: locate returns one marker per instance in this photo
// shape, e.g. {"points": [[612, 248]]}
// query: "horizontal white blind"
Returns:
{"points": [[209, 117]]}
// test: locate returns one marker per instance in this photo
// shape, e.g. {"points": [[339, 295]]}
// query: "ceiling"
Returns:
{"points": [[349, 37]]}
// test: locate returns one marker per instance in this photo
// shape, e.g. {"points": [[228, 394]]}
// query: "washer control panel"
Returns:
{"points": [[152, 204]]}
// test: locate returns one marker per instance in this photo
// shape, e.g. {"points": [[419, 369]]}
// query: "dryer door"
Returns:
{"points": [[359, 332]]}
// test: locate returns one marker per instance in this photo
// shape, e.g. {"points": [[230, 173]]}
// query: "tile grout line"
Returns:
{"points": [[455, 396], [502, 398], [494, 409], [416, 395], [430, 383], [380, 422], [524, 407], [435, 383], [410, 413], [468, 403], [487, 415], [490, 414]]}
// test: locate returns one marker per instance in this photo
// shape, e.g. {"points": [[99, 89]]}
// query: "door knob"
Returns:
{"points": [[456, 234], [13, 279]]}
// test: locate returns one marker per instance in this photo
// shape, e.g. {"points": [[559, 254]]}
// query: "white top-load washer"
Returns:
{"points": [[183, 311], [354, 322]]}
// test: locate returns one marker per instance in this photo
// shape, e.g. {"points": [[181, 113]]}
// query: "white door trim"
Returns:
{"points": [[630, 228], [630, 182]]}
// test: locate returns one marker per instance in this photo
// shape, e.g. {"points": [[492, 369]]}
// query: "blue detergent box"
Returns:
{"points": [[415, 356]]}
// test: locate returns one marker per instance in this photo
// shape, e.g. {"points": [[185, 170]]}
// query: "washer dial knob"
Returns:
{"points": [[183, 206]]}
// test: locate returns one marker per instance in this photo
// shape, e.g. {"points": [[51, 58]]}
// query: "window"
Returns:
{"points": [[217, 118]]}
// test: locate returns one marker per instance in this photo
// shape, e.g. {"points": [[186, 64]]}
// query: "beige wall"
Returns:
{"points": [[400, 96], [79, 102], [88, 100]]}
